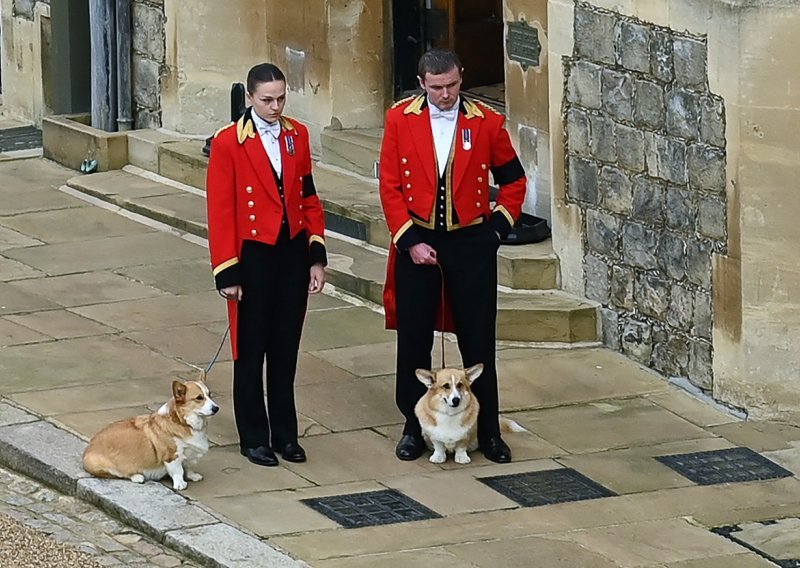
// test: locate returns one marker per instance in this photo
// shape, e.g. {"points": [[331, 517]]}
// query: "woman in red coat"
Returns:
{"points": [[266, 238]]}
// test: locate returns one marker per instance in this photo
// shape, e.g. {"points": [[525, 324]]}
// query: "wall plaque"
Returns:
{"points": [[522, 44]]}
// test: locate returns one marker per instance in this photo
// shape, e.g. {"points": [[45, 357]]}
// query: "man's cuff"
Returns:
{"points": [[231, 276], [408, 239], [317, 254], [500, 224]]}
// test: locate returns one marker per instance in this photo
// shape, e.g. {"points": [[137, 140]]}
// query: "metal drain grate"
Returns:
{"points": [[20, 138], [724, 466], [369, 509], [537, 488], [777, 541]]}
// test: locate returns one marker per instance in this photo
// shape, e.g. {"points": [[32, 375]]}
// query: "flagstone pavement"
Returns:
{"points": [[99, 313]]}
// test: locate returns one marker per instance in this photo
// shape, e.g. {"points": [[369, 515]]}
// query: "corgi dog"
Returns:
{"points": [[151, 446], [448, 413]]}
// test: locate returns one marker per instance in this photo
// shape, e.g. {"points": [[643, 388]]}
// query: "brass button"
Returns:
{"points": [[441, 215], [251, 204], [483, 166], [410, 198], [301, 206], [441, 206], [301, 221], [254, 232], [252, 217], [480, 180], [477, 204], [408, 186], [300, 178], [403, 161], [480, 192], [249, 189], [407, 173]]}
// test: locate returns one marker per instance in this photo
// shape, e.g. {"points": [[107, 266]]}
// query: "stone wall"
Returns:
{"points": [[645, 143], [148, 61]]}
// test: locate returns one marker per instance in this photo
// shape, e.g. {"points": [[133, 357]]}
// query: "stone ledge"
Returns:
{"points": [[44, 452], [69, 140], [150, 507], [223, 545], [10, 415]]}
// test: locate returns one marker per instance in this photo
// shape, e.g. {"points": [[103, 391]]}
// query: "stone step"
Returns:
{"points": [[538, 315], [352, 208], [354, 150]]}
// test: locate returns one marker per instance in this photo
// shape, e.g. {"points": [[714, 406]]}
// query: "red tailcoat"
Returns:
{"points": [[409, 177], [243, 201]]}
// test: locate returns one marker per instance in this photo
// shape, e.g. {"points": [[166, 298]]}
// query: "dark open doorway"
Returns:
{"points": [[472, 28]]}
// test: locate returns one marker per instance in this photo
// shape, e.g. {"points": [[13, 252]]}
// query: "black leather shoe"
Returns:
{"points": [[496, 450], [292, 452], [261, 455], [410, 447]]}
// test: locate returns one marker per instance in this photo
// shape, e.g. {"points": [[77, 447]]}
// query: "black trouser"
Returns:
{"points": [[468, 260], [271, 313]]}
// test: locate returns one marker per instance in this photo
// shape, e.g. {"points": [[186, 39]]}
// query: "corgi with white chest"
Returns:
{"points": [[151, 446], [448, 413]]}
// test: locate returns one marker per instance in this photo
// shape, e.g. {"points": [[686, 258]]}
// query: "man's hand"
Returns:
{"points": [[231, 293], [317, 281], [422, 253]]}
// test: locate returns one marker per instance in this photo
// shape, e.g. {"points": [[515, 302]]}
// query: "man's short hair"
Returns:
{"points": [[263, 73], [437, 61]]}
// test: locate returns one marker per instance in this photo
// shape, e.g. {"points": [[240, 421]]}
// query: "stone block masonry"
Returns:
{"points": [[645, 145], [149, 61]]}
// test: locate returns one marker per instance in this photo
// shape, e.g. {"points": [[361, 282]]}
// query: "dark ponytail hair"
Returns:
{"points": [[263, 73]]}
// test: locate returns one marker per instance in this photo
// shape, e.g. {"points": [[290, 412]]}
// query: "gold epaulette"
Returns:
{"points": [[287, 123], [223, 128], [489, 107], [245, 128], [402, 101], [472, 109], [415, 107]]}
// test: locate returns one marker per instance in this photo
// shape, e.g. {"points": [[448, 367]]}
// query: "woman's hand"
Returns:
{"points": [[231, 293], [317, 281]]}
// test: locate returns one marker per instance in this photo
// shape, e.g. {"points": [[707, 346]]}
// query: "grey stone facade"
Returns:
{"points": [[646, 164], [25, 8], [149, 53]]}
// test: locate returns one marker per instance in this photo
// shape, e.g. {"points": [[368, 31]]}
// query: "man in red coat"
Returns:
{"points": [[266, 238], [438, 151]]}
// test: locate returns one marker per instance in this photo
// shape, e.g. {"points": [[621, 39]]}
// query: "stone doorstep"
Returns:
{"points": [[51, 456], [541, 315], [353, 150]]}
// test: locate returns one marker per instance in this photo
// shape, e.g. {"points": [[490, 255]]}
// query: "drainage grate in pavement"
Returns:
{"points": [[368, 509], [547, 487], [20, 138], [778, 541], [724, 466]]}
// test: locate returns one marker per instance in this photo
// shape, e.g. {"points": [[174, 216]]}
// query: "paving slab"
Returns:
{"points": [[10, 415], [15, 334], [16, 300], [369, 403], [87, 424], [85, 361], [151, 507], [760, 436], [60, 324], [59, 226], [520, 552], [429, 557], [535, 378], [164, 311], [49, 454], [353, 326], [13, 270], [744, 560], [286, 513], [193, 343], [28, 187], [10, 238], [601, 426], [696, 411], [777, 539], [223, 545], [184, 276], [105, 253], [87, 288]]}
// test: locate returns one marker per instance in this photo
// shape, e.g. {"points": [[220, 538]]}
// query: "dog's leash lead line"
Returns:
{"points": [[216, 355]]}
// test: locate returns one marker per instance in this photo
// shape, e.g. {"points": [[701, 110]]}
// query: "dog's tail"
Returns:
{"points": [[508, 426]]}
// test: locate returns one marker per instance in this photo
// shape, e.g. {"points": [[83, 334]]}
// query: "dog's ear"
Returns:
{"points": [[474, 372], [425, 377], [178, 391]]}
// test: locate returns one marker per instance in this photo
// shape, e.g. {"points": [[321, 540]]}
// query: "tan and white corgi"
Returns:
{"points": [[151, 446], [448, 413]]}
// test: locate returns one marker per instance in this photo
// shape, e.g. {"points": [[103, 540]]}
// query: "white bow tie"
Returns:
{"points": [[445, 114], [273, 128]]}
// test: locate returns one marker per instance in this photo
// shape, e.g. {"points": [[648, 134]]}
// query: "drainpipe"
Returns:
{"points": [[124, 102], [104, 83]]}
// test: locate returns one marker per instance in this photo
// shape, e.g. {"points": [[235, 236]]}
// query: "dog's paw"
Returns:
{"points": [[437, 458], [194, 476], [463, 458], [179, 485], [137, 478]]}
